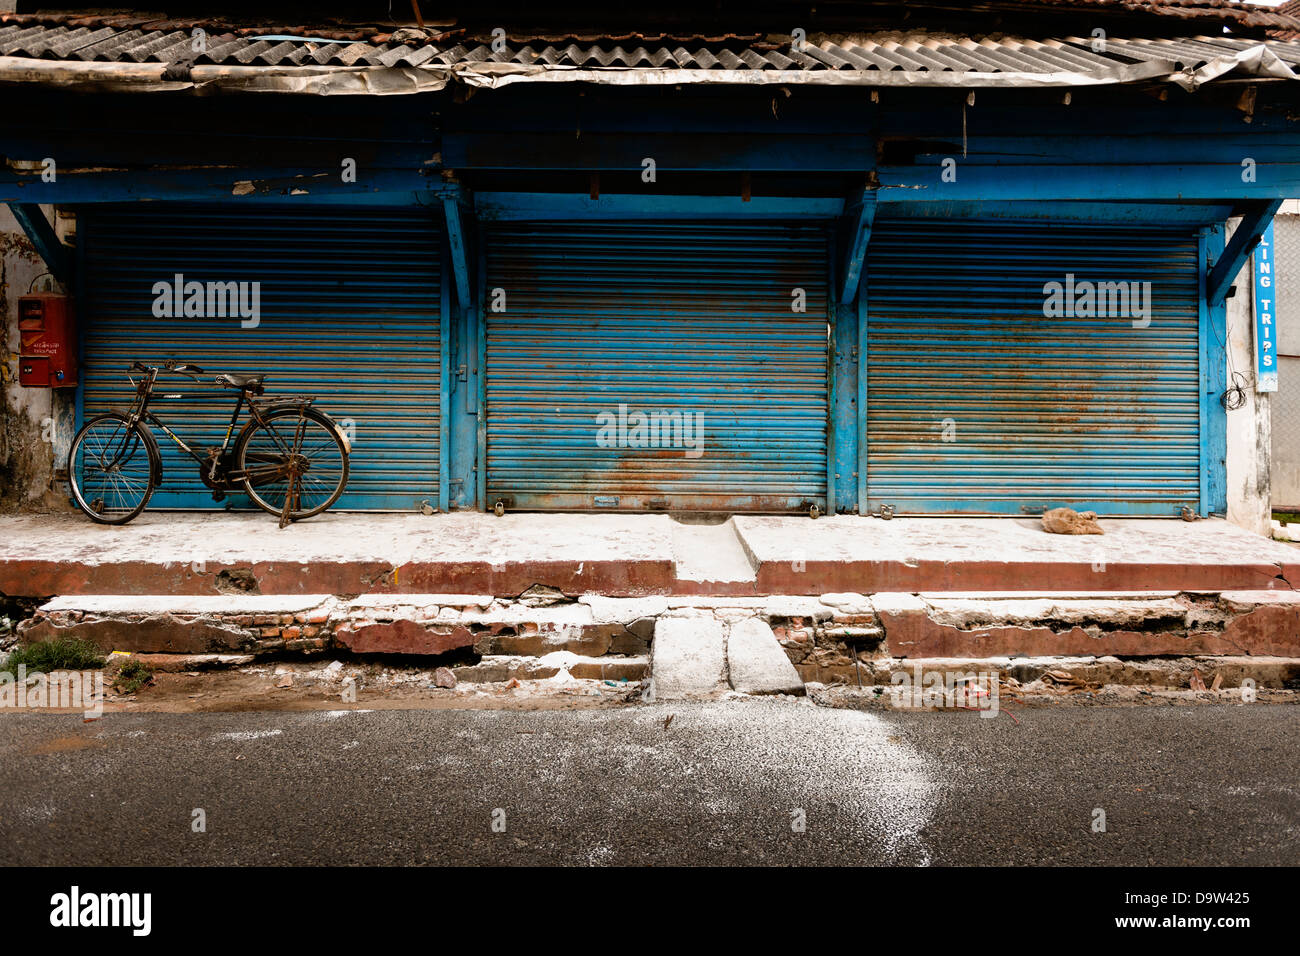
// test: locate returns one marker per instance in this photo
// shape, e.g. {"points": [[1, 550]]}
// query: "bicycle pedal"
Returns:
{"points": [[218, 496]]}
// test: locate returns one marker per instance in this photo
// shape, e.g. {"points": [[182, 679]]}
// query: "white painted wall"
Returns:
{"points": [[35, 423], [1285, 413], [1249, 438]]}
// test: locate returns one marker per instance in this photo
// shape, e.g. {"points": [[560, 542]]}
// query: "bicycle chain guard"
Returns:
{"points": [[222, 483]]}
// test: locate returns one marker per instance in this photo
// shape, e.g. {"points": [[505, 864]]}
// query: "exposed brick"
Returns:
{"points": [[482, 673], [840, 673], [629, 643], [404, 637], [611, 668], [593, 640], [842, 618], [532, 645], [156, 634], [799, 635], [1272, 630], [643, 627]]}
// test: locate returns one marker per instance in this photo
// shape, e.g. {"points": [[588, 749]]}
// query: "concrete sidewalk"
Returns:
{"points": [[624, 555]]}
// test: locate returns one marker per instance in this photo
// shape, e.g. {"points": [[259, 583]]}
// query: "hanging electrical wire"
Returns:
{"points": [[1234, 396]]}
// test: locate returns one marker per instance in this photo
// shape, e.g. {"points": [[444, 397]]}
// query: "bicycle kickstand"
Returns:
{"points": [[293, 494], [290, 499]]}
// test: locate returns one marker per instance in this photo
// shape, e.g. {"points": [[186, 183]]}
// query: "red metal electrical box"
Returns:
{"points": [[47, 353]]}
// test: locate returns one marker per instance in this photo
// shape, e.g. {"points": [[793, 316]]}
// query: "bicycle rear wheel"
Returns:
{"points": [[111, 468], [266, 453]]}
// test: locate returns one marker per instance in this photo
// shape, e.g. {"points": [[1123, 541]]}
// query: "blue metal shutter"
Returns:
{"points": [[350, 301], [692, 318], [977, 403]]}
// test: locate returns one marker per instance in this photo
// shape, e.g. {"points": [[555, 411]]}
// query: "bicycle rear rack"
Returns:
{"points": [[281, 399]]}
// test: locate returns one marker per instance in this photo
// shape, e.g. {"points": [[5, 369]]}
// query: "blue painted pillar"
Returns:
{"points": [[844, 414], [1214, 378], [463, 348], [848, 414]]}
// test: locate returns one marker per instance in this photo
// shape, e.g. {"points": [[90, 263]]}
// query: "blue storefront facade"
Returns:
{"points": [[925, 273]]}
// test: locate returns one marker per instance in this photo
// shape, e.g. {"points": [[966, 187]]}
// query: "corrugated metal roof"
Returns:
{"points": [[913, 58], [919, 52]]}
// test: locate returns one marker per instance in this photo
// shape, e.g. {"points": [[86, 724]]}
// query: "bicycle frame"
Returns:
{"points": [[140, 412]]}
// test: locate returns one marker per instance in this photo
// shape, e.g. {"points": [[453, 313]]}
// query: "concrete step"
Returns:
{"points": [[1286, 532], [689, 659], [712, 555], [625, 555], [756, 663]]}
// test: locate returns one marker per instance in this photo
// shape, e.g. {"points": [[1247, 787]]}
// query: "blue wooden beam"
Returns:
{"points": [[457, 245], [524, 205], [45, 239], [858, 217], [1100, 182], [671, 150], [1255, 218], [228, 184], [1138, 213]]}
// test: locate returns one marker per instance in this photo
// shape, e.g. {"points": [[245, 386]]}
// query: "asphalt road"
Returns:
{"points": [[723, 783]]}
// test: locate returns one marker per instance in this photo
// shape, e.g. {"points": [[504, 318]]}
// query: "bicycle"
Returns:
{"points": [[291, 459]]}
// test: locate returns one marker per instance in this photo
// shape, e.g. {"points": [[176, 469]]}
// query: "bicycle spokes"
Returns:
{"points": [[110, 468], [294, 464]]}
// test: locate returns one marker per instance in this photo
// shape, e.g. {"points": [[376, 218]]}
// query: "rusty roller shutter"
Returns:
{"points": [[349, 312], [685, 324], [979, 403]]}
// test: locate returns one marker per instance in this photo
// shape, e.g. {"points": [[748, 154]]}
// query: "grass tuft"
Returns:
{"points": [[59, 654], [133, 675]]}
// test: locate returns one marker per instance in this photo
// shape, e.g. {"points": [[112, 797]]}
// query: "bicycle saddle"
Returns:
{"points": [[252, 383]]}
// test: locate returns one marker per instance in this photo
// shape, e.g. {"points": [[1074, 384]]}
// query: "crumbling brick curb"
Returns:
{"points": [[1231, 623], [826, 637]]}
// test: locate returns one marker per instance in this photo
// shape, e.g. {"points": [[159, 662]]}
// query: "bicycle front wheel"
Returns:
{"points": [[110, 469], [297, 456]]}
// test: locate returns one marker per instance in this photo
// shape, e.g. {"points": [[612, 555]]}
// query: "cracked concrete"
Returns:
{"points": [[818, 633]]}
